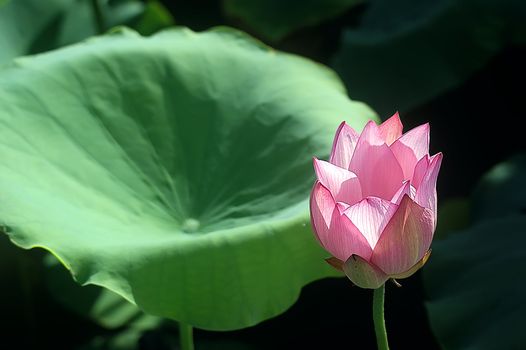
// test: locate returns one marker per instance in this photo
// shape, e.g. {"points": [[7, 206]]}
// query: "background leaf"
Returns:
{"points": [[404, 55], [154, 18], [34, 317], [275, 19], [453, 214], [100, 305], [474, 280], [174, 171], [475, 287], [161, 338], [33, 26], [501, 191]]}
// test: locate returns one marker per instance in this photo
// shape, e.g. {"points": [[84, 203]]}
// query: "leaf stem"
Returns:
{"points": [[186, 337], [378, 318]]}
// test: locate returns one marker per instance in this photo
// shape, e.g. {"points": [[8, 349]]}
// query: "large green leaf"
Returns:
{"points": [[475, 279], [173, 170], [32, 26], [275, 19], [406, 52]]}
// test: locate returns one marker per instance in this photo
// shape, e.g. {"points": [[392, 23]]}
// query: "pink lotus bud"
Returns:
{"points": [[373, 206]]}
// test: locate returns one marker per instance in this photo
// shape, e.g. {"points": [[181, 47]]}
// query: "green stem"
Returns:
{"points": [[378, 318], [98, 16], [186, 337]]}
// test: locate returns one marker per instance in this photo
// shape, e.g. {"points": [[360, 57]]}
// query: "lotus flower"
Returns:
{"points": [[374, 204]]}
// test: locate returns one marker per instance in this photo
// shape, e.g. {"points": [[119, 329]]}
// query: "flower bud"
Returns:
{"points": [[373, 206]]}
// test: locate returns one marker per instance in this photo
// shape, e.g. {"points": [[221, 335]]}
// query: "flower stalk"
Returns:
{"points": [[186, 338], [378, 318]]}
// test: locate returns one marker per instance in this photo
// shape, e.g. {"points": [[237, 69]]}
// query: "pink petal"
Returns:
{"points": [[375, 165], [391, 129], [370, 216], [411, 147], [336, 232], [426, 194], [343, 145], [363, 273], [413, 269], [420, 171], [405, 189], [343, 184], [321, 208], [405, 239]]}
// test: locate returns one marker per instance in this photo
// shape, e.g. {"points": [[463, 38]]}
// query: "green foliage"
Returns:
{"points": [[163, 337], [173, 170], [154, 18], [102, 306], [275, 19], [474, 279], [402, 55], [501, 191], [33, 26], [453, 214]]}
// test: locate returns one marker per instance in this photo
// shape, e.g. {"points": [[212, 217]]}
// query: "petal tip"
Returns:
{"points": [[437, 156], [395, 118], [335, 262], [315, 161]]}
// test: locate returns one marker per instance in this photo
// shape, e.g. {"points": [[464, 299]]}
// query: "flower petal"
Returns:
{"points": [[420, 170], [407, 188], [426, 194], [343, 145], [375, 165], [370, 216], [335, 262], [364, 274], [411, 147], [343, 184], [321, 208], [414, 268], [405, 239], [335, 231], [391, 129]]}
